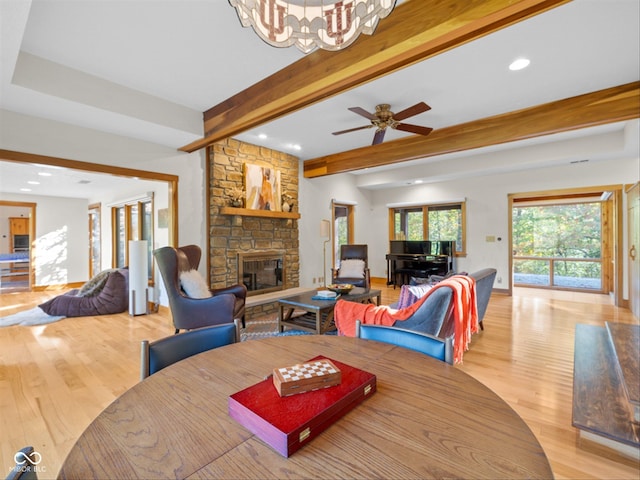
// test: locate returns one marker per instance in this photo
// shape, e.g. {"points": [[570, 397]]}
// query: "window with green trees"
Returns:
{"points": [[431, 222], [558, 245]]}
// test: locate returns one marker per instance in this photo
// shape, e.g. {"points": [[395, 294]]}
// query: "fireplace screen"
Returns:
{"points": [[261, 272]]}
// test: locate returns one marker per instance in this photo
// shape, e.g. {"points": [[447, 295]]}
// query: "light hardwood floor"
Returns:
{"points": [[54, 379]]}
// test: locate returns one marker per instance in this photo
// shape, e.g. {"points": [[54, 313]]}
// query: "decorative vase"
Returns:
{"points": [[286, 207], [236, 203]]}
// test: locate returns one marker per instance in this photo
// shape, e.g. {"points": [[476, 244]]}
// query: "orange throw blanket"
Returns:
{"points": [[465, 313]]}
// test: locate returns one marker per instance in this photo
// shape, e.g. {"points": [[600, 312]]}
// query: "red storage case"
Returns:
{"points": [[288, 423]]}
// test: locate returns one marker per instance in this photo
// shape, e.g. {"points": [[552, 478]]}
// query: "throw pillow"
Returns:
{"points": [[194, 285], [410, 294], [351, 268], [95, 284]]}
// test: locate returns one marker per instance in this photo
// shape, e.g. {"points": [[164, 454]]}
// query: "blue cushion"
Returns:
{"points": [[431, 315], [422, 343]]}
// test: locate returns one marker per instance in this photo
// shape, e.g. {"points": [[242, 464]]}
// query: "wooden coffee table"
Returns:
{"points": [[318, 316]]}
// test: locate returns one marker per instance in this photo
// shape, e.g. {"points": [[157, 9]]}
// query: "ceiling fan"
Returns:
{"points": [[384, 117]]}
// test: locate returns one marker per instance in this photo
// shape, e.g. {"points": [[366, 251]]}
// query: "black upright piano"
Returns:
{"points": [[411, 258]]}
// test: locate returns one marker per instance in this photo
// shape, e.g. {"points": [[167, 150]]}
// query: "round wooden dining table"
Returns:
{"points": [[427, 419]]}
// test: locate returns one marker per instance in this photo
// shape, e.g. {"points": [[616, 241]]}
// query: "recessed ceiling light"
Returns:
{"points": [[44, 174], [519, 64], [418, 181], [262, 136], [33, 182], [25, 189]]}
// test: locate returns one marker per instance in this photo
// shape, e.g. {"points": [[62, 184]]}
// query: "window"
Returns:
{"points": [[430, 222], [133, 220], [558, 245], [342, 229], [95, 251]]}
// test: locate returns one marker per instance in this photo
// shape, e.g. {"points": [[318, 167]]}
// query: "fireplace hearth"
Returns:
{"points": [[262, 272]]}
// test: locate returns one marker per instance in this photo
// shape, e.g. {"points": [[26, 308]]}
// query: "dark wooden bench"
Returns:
{"points": [[602, 409]]}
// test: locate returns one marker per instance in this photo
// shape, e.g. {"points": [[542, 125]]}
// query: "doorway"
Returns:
{"points": [[171, 182], [343, 226], [567, 240], [633, 222], [16, 246]]}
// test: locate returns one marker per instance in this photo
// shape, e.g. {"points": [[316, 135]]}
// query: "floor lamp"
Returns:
{"points": [[138, 277], [325, 232]]}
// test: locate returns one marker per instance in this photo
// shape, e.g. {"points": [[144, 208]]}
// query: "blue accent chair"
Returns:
{"points": [[440, 348], [160, 354]]}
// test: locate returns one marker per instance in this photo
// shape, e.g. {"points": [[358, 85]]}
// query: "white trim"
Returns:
{"points": [[420, 204], [129, 201], [343, 202]]}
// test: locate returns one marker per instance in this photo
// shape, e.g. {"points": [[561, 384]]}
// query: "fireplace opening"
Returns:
{"points": [[261, 272]]}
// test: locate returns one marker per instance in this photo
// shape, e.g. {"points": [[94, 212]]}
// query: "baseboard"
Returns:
{"points": [[61, 286]]}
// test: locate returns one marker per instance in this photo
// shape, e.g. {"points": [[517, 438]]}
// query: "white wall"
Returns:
{"points": [[315, 198], [28, 134], [486, 194], [62, 254], [487, 209]]}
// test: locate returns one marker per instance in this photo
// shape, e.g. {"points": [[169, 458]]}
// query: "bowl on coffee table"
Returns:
{"points": [[340, 288]]}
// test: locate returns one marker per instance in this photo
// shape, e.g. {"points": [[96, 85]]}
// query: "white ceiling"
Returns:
{"points": [[147, 69]]}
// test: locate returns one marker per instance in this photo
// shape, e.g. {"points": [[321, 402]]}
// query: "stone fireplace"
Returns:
{"points": [[262, 272], [239, 235]]}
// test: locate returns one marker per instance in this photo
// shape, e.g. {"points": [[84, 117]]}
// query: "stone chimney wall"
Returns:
{"points": [[233, 234]]}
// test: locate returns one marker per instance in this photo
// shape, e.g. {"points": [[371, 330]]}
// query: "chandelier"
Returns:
{"points": [[311, 24]]}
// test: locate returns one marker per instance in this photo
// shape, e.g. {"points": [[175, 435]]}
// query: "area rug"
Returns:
{"points": [[266, 327], [35, 316]]}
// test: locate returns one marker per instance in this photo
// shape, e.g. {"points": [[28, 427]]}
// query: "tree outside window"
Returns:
{"points": [[431, 222], [132, 221]]}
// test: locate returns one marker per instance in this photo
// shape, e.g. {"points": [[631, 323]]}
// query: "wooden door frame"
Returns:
{"points": [[171, 180], [32, 233], [616, 228], [350, 226], [632, 192]]}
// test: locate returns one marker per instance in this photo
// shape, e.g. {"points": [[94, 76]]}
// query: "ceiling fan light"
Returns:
{"points": [[326, 24]]}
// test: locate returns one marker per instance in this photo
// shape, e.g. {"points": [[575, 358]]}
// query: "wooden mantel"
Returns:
{"points": [[247, 212]]}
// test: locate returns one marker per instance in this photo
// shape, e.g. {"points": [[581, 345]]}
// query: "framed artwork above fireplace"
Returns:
{"points": [[263, 188]]}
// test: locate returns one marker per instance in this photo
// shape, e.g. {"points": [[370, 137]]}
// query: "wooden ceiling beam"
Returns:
{"points": [[415, 31], [605, 106]]}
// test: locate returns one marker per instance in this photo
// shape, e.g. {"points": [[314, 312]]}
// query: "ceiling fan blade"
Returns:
{"points": [[363, 112], [411, 111], [379, 136], [405, 127], [352, 130]]}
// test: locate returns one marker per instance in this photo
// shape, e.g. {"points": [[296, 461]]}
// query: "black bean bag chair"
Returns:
{"points": [[104, 294]]}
